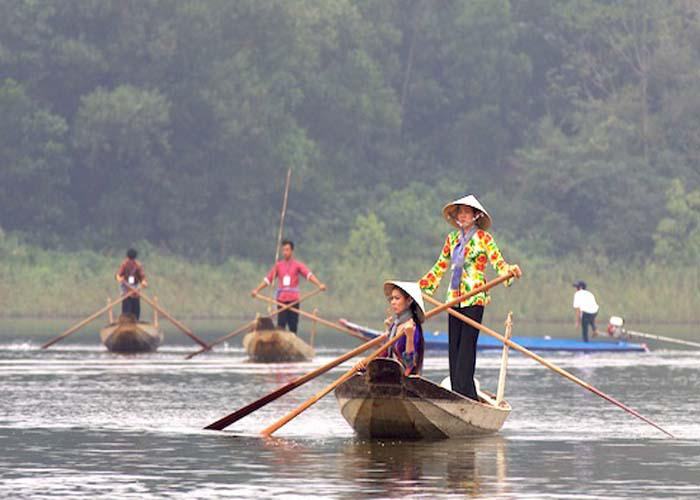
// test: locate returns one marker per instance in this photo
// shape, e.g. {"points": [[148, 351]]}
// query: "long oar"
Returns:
{"points": [[165, 313], [661, 337], [87, 320], [347, 375], [546, 363], [224, 422], [247, 326], [314, 317]]}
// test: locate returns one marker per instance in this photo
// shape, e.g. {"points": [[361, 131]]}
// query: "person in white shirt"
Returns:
{"points": [[586, 309]]}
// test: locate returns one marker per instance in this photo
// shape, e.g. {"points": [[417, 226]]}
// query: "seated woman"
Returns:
{"points": [[406, 304]]}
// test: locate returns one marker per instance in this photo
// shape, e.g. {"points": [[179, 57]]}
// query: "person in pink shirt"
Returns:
{"points": [[287, 271]]}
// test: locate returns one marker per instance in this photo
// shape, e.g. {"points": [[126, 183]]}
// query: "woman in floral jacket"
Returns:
{"points": [[466, 253]]}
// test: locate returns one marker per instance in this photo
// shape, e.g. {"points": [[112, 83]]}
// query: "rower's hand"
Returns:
{"points": [[361, 366], [322, 287], [254, 293], [144, 284], [517, 272]]}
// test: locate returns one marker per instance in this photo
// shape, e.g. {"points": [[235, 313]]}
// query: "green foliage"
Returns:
{"points": [[677, 236], [174, 122]]}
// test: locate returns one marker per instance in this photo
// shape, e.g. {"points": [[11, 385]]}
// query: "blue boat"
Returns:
{"points": [[438, 341]]}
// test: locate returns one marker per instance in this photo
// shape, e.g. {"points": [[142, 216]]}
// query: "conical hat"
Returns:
{"points": [[484, 222], [412, 289]]}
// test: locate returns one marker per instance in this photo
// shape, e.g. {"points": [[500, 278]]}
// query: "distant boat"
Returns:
{"points": [[383, 403], [439, 341], [267, 344], [128, 336]]}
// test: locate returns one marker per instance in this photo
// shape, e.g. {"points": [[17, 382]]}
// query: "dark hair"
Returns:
{"points": [[414, 306], [288, 242], [581, 285], [131, 253]]}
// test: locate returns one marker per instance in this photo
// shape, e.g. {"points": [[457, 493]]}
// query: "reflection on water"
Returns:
{"points": [[78, 422]]}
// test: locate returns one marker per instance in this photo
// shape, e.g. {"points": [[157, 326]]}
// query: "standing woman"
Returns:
{"points": [[408, 314], [466, 252]]}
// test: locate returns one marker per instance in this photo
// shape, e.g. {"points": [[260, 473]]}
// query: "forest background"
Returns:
{"points": [[169, 125]]}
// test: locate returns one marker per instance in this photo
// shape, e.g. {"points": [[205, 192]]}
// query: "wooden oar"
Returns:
{"points": [[346, 376], [87, 320], [224, 422], [314, 317], [544, 362], [289, 416], [248, 325], [165, 313], [660, 337]]}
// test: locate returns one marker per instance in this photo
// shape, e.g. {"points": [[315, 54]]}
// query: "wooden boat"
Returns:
{"points": [[439, 341], [267, 344], [383, 403], [127, 335]]}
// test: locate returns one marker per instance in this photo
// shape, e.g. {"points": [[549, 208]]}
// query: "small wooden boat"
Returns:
{"points": [[383, 403], [127, 335], [267, 344]]}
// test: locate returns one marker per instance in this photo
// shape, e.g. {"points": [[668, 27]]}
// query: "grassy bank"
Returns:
{"points": [[41, 283]]}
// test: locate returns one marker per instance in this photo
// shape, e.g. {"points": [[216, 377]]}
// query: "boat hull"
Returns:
{"points": [[438, 341], [382, 403], [129, 337], [276, 346]]}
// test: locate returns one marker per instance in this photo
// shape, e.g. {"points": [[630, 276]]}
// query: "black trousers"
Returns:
{"points": [[288, 318], [132, 305], [587, 320], [462, 344]]}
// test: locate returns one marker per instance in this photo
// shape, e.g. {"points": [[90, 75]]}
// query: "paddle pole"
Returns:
{"points": [[87, 320], [314, 317], [660, 337], [167, 315], [544, 362], [283, 213], [346, 376], [500, 392], [224, 422], [247, 326], [362, 364]]}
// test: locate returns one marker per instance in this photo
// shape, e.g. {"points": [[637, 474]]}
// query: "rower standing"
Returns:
{"points": [[466, 252], [287, 271], [586, 309], [131, 275]]}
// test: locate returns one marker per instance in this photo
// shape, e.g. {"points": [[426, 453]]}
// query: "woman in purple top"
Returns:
{"points": [[408, 314]]}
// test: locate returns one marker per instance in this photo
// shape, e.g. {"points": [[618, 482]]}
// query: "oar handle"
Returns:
{"points": [[315, 317], [349, 374], [546, 363], [281, 391]]}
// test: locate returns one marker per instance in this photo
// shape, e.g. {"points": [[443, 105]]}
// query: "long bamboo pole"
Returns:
{"points": [[87, 320]]}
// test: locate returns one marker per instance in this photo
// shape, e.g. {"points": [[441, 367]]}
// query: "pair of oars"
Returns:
{"points": [[268, 398], [132, 291], [250, 324]]}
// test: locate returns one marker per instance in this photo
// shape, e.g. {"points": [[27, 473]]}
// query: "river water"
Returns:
{"points": [[79, 422]]}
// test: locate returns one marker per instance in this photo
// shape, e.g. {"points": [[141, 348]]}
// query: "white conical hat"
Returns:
{"points": [[484, 222], [412, 289]]}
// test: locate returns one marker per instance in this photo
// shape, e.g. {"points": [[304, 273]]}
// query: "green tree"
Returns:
{"points": [[677, 236]]}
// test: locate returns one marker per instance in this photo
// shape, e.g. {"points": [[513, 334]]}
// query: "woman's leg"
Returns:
{"points": [[454, 329], [465, 365]]}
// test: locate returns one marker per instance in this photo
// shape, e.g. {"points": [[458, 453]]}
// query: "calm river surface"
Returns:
{"points": [[79, 422]]}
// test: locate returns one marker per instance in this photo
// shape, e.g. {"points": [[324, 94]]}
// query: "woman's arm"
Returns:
{"points": [[431, 280]]}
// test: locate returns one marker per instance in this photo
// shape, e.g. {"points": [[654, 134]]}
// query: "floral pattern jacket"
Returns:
{"points": [[480, 251]]}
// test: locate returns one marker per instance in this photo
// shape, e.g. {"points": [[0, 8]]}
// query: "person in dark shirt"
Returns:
{"points": [[131, 274]]}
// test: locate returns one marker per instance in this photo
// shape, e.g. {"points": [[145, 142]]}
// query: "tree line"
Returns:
{"points": [[173, 122]]}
